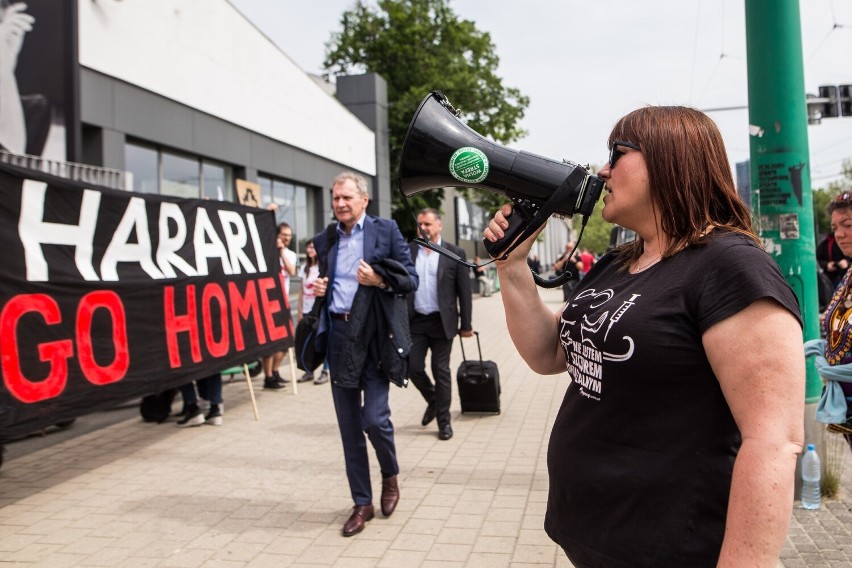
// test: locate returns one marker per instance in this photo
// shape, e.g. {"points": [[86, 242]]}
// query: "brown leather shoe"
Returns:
{"points": [[390, 495], [358, 519]]}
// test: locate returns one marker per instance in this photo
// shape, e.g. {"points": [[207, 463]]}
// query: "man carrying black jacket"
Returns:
{"points": [[365, 328]]}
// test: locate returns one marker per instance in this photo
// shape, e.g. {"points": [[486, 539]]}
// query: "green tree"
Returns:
{"points": [[419, 46], [597, 232]]}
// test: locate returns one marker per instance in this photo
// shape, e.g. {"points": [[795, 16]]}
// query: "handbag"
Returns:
{"points": [[309, 354]]}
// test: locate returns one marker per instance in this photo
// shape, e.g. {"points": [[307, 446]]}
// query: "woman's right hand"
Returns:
{"points": [[499, 223], [496, 230]]}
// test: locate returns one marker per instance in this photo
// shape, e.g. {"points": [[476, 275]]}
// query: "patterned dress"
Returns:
{"points": [[837, 327]]}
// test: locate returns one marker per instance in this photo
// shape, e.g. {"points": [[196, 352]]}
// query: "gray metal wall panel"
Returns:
{"points": [[96, 99], [220, 140], [124, 110]]}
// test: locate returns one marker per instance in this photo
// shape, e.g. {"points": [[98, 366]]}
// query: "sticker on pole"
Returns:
{"points": [[469, 165]]}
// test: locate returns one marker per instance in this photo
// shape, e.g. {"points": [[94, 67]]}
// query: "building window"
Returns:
{"points": [[181, 176], [143, 164], [160, 171], [215, 182], [471, 220], [294, 202]]}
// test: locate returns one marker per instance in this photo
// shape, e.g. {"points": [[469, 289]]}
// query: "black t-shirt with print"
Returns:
{"points": [[642, 450]]}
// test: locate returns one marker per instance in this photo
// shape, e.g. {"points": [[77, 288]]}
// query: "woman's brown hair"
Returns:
{"points": [[688, 172]]}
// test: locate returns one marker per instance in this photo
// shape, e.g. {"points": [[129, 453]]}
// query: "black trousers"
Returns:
{"points": [[427, 333]]}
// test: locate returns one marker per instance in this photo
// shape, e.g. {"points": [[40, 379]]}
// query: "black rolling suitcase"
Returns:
{"points": [[479, 383]]}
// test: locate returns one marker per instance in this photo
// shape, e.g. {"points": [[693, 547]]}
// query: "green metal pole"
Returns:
{"points": [[780, 159]]}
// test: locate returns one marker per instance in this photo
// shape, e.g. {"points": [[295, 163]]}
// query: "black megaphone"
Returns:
{"points": [[440, 151]]}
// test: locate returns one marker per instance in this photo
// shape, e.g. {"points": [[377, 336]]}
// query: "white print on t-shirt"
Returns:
{"points": [[586, 354]]}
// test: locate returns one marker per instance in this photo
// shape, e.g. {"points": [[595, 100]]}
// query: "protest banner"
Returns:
{"points": [[107, 295]]}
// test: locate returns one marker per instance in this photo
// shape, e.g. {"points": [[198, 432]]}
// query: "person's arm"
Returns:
{"points": [[534, 329], [756, 355], [301, 309], [14, 24], [289, 259]]}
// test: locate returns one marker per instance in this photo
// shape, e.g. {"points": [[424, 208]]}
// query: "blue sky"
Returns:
{"points": [[585, 64]]}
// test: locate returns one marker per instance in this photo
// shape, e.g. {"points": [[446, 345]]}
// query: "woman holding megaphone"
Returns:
{"points": [[677, 438]]}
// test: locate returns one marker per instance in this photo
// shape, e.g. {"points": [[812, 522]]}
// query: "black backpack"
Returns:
{"points": [[157, 407]]}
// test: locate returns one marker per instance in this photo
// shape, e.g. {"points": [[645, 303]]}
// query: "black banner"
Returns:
{"points": [[108, 295]]}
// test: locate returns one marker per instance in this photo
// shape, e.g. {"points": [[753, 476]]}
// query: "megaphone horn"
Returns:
{"points": [[440, 151]]}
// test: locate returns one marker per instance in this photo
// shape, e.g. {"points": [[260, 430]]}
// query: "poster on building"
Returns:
{"points": [[39, 43], [248, 193], [108, 295]]}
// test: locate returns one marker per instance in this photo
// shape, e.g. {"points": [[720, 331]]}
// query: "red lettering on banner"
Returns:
{"points": [[234, 309], [175, 324], [271, 307], [242, 305], [214, 292], [117, 369], [54, 352]]}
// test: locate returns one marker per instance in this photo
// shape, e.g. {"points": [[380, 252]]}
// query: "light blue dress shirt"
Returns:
{"points": [[426, 297], [350, 251]]}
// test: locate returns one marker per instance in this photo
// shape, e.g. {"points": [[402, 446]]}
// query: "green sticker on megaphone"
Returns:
{"points": [[469, 165]]}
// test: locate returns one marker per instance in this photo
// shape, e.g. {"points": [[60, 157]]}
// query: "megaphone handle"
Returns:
{"points": [[517, 223]]}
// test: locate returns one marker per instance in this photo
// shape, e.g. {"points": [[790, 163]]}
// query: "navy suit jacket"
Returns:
{"points": [[454, 290], [382, 241]]}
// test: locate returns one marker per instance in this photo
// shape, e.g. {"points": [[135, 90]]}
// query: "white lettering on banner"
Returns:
{"points": [[236, 238], [167, 256], [34, 232], [120, 249], [131, 241], [208, 244], [255, 240]]}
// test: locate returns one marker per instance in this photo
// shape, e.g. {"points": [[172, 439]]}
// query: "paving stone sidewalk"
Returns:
{"points": [[273, 492]]}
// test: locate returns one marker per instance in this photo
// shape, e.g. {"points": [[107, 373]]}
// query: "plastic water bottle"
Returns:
{"points": [[810, 479]]}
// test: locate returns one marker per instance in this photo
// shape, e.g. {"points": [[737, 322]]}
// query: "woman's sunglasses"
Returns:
{"points": [[615, 153]]}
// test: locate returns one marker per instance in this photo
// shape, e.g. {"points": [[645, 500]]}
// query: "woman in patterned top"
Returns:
{"points": [[836, 321]]}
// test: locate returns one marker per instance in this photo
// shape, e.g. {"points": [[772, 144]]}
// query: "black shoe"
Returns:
{"points": [[271, 384], [183, 412], [214, 416], [429, 415], [194, 417], [279, 378], [445, 432]]}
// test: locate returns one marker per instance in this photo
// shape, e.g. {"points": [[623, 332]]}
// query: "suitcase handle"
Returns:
{"points": [[478, 346]]}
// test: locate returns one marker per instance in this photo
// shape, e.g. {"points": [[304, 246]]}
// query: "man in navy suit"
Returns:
{"points": [[365, 326], [442, 299]]}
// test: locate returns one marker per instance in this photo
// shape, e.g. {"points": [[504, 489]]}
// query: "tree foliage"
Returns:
{"points": [[597, 232], [419, 46]]}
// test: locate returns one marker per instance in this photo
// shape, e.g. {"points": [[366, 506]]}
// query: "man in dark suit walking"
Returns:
{"points": [[365, 326], [443, 298]]}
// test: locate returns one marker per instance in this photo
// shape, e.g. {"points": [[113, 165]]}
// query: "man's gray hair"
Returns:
{"points": [[359, 181], [433, 211]]}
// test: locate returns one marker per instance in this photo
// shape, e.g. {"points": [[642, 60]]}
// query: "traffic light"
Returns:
{"points": [[831, 108], [845, 92]]}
